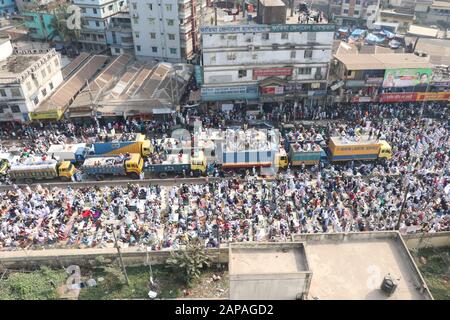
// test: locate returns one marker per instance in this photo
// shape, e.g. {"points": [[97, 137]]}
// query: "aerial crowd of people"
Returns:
{"points": [[409, 192]]}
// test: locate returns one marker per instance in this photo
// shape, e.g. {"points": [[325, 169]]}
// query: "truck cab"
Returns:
{"points": [[281, 159], [66, 170], [134, 164], [385, 150], [146, 148], [198, 162]]}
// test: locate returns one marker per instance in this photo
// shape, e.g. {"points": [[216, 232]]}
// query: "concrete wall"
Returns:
{"points": [[268, 286], [84, 257], [435, 240]]}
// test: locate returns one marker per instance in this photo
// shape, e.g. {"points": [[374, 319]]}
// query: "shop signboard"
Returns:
{"points": [[355, 83], [230, 93], [397, 78], [273, 72], [269, 28], [398, 97], [433, 96], [374, 81], [441, 84]]}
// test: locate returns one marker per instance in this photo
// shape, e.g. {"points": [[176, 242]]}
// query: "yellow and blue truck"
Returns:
{"points": [[362, 148], [178, 164], [122, 144], [127, 165], [31, 169]]}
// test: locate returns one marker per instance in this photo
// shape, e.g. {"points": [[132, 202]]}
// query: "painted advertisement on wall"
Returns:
{"points": [[397, 78]]}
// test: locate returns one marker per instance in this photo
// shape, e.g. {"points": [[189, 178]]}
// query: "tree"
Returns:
{"points": [[189, 262], [59, 27]]}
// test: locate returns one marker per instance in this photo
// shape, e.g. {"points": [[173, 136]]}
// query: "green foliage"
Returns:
{"points": [[60, 28], [189, 262], [36, 285]]}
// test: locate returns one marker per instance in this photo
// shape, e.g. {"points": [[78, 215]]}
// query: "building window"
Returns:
{"points": [[110, 7], [284, 35], [265, 36], [49, 69], [293, 54], [136, 34], [36, 101], [97, 24], [117, 50], [83, 10], [2, 92], [304, 70], [94, 11], [349, 72], [15, 92], [242, 73], [150, 6], [231, 56], [44, 92], [138, 48], [345, 11], [254, 56], [134, 5], [170, 22], [171, 36], [232, 37], [3, 107], [136, 20], [44, 74], [152, 35], [358, 2], [15, 109], [56, 63], [168, 7], [151, 21], [311, 37], [173, 51], [356, 13], [50, 85], [308, 54], [154, 49], [212, 59]]}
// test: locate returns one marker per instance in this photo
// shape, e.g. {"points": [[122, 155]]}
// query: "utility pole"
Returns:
{"points": [[405, 197], [116, 244]]}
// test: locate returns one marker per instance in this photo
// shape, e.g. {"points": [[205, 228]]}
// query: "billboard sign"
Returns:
{"points": [[398, 97], [274, 72], [397, 78], [229, 93], [433, 96]]}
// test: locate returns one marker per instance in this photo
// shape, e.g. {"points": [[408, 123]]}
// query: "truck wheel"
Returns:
{"points": [[99, 178], [163, 175], [65, 179], [134, 175], [28, 181], [197, 173]]}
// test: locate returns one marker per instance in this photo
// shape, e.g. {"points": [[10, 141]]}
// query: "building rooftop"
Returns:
{"points": [[422, 31], [133, 87], [267, 259], [353, 265], [438, 50], [223, 18], [441, 5], [66, 92], [381, 61]]}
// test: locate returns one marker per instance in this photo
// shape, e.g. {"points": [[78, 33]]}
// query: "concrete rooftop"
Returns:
{"points": [[17, 63], [268, 259], [354, 267]]}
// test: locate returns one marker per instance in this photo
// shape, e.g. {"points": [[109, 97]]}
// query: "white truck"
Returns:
{"points": [[75, 153]]}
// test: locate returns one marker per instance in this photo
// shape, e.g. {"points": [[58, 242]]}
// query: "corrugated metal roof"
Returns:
{"points": [[67, 91], [74, 64]]}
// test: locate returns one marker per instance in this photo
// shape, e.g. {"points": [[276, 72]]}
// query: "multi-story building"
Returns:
{"points": [[38, 18], [166, 29], [119, 35], [246, 61], [96, 16], [26, 80], [352, 12], [7, 6], [438, 13]]}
